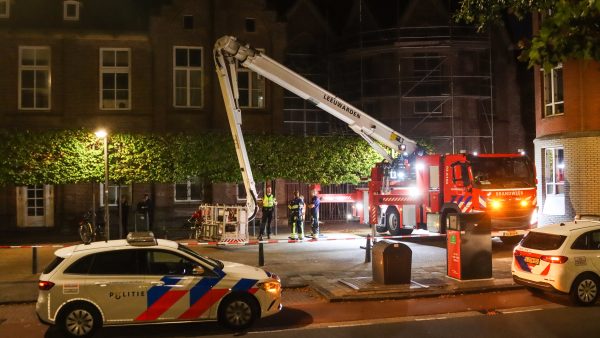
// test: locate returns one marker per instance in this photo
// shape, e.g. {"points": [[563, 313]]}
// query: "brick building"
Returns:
{"points": [[567, 140], [146, 66]]}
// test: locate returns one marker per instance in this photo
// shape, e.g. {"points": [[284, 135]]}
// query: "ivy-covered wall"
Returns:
{"points": [[76, 156]]}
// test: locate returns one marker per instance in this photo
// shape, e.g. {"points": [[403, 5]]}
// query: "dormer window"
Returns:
{"points": [[71, 10], [4, 8]]}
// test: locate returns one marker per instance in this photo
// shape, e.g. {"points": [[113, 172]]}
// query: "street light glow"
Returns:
{"points": [[101, 133]]}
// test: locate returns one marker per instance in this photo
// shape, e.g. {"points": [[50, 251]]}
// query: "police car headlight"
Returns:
{"points": [[273, 287]]}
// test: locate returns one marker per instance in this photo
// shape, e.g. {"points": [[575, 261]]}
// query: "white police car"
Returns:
{"points": [[562, 257], [144, 280]]}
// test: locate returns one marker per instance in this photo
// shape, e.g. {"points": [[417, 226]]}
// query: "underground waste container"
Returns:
{"points": [[391, 262], [469, 246]]}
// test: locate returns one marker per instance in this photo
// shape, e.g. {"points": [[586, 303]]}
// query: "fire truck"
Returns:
{"points": [[408, 189]]}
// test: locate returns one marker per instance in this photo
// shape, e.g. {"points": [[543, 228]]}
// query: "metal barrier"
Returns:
{"points": [[223, 223]]}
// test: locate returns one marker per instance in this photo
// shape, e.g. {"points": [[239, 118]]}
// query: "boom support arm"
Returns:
{"points": [[364, 125], [227, 74]]}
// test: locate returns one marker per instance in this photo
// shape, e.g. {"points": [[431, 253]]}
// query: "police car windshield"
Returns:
{"points": [[502, 172], [213, 262]]}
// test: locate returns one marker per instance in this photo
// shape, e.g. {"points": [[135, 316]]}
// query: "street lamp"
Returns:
{"points": [[101, 133]]}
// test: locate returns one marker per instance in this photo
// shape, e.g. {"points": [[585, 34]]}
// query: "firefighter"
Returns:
{"points": [[268, 204], [296, 207], [315, 202]]}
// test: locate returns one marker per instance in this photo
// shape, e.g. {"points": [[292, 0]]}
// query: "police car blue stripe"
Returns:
{"points": [[521, 261], [155, 292], [244, 284], [203, 286]]}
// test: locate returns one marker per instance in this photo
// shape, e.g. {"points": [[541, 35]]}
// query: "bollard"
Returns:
{"points": [[368, 250], [261, 255], [34, 261]]}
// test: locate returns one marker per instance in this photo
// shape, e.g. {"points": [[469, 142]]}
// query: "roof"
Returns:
{"points": [[108, 245], [568, 227]]}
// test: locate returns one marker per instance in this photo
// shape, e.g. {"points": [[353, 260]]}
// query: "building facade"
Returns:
{"points": [[146, 66], [567, 140]]}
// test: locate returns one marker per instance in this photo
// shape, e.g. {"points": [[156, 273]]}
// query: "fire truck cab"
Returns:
{"points": [[434, 186]]}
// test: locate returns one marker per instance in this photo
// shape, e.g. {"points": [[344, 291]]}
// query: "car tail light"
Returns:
{"points": [[554, 259], [45, 285]]}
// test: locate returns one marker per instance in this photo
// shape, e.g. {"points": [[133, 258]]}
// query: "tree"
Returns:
{"points": [[569, 29]]}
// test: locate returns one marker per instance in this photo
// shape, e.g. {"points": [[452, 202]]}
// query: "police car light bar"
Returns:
{"points": [[141, 238]]}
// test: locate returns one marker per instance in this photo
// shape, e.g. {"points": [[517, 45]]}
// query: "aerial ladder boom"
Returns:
{"points": [[227, 74], [373, 131]]}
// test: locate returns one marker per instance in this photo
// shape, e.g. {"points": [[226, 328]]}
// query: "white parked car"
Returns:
{"points": [[144, 280], [562, 257]]}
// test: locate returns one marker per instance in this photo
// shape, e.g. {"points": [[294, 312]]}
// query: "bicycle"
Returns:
{"points": [[194, 224], [87, 231]]}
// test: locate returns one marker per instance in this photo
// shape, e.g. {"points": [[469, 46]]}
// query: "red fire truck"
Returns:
{"points": [[407, 191], [422, 193]]}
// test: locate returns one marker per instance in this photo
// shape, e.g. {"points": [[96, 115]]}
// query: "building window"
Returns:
{"points": [[35, 200], [188, 22], [114, 78], [187, 77], [241, 190], [113, 194], [250, 25], [189, 191], [34, 78], [553, 92], [554, 171], [71, 10], [4, 8], [251, 88]]}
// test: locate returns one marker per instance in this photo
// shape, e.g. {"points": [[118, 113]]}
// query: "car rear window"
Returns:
{"points": [[55, 262], [542, 241]]}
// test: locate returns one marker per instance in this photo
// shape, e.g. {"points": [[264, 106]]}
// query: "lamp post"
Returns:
{"points": [[101, 133]]}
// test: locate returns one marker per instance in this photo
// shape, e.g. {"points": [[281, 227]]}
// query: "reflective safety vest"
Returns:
{"points": [[268, 201]]}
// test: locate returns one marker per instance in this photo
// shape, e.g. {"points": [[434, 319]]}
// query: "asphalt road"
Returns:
{"points": [[512, 314]]}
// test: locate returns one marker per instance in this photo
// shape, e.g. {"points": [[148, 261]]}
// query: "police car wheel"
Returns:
{"points": [[238, 312], [584, 291], [79, 320]]}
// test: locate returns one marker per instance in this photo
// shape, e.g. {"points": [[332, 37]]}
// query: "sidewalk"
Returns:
{"points": [[325, 270]]}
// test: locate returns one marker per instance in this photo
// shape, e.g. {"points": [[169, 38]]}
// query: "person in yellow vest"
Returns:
{"points": [[268, 204]]}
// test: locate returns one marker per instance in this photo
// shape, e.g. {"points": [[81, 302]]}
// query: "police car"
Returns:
{"points": [[563, 257], [143, 280]]}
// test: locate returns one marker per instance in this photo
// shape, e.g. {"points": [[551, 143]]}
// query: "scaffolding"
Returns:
{"points": [[430, 83]]}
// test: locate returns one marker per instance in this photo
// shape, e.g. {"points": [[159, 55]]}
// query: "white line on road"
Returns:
{"points": [[432, 318], [519, 311]]}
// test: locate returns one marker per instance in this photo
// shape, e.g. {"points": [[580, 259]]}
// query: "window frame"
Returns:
{"points": [[188, 69], [114, 70], [35, 68], [552, 104], [242, 71], [188, 184], [68, 3], [113, 188], [6, 13], [557, 169]]}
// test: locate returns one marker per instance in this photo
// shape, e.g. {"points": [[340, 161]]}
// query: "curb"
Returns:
{"points": [[428, 293]]}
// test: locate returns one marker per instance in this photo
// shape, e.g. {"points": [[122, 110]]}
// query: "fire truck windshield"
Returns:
{"points": [[502, 172]]}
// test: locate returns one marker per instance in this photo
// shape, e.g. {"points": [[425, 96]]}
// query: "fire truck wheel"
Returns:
{"points": [[394, 226]]}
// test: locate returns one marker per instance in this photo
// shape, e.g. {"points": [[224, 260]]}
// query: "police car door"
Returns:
{"points": [[181, 289], [117, 284]]}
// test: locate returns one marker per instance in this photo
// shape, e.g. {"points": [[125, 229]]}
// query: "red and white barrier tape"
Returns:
{"points": [[250, 242]]}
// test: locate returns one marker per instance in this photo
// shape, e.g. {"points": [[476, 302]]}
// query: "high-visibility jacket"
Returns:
{"points": [[269, 201]]}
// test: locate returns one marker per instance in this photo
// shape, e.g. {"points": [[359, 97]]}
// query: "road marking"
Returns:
{"points": [[519, 311], [530, 308], [432, 318]]}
